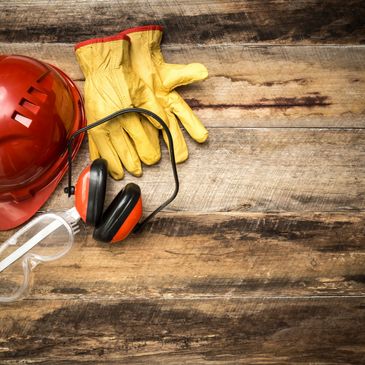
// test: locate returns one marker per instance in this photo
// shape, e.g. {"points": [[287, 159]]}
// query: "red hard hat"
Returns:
{"points": [[40, 108]]}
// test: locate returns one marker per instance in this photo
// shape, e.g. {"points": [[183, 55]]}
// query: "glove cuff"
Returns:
{"points": [[115, 37], [146, 39], [103, 53]]}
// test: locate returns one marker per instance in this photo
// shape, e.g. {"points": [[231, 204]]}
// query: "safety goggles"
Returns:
{"points": [[46, 238]]}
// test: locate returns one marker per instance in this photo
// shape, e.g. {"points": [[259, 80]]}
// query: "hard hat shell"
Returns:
{"points": [[40, 108]]}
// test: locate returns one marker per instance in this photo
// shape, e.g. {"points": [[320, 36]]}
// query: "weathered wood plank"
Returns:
{"points": [[184, 331], [225, 276], [276, 21], [181, 256], [257, 86], [256, 170]]}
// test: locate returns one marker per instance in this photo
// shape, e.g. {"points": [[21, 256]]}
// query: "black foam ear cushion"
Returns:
{"points": [[117, 212], [97, 189]]}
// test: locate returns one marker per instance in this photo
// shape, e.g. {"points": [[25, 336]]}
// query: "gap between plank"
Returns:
{"points": [[198, 297]]}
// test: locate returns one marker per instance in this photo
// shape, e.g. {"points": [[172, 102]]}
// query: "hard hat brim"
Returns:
{"points": [[13, 214]]}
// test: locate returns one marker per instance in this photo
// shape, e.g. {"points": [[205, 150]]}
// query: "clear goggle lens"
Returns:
{"points": [[46, 238]]}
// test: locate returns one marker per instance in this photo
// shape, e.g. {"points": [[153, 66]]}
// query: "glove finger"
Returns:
{"points": [[190, 121], [124, 148], [147, 151], [147, 100], [177, 75], [180, 148], [152, 133], [93, 150], [107, 152]]}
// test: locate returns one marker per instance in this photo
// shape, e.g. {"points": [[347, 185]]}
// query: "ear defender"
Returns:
{"points": [[123, 213], [90, 191]]}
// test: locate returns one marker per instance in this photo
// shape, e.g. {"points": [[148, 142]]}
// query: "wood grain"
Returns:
{"points": [[260, 259], [256, 170], [246, 255], [205, 22], [185, 331], [256, 86]]}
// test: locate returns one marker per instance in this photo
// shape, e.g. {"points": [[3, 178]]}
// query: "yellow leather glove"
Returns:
{"points": [[110, 85], [163, 78]]}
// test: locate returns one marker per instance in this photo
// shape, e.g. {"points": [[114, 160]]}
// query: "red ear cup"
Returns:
{"points": [[90, 191], [129, 224], [122, 215]]}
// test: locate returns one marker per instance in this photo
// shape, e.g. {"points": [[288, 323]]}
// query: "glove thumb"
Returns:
{"points": [[177, 75]]}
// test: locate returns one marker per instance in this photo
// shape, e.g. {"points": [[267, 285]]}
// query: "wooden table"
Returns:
{"points": [[260, 260]]}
